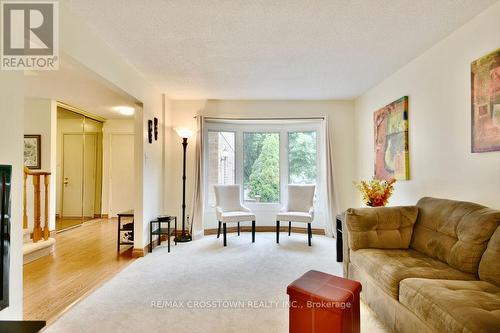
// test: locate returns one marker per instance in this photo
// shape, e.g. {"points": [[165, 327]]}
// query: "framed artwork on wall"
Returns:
{"points": [[391, 141], [33, 151], [150, 131], [485, 103]]}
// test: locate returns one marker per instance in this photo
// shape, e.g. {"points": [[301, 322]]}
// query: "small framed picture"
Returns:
{"points": [[156, 128], [150, 131], [33, 151]]}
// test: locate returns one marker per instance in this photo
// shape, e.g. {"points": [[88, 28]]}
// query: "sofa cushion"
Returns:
{"points": [[381, 227], [454, 232], [453, 306], [389, 267], [489, 267]]}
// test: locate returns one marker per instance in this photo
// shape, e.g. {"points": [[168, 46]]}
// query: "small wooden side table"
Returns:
{"points": [[159, 231], [129, 213]]}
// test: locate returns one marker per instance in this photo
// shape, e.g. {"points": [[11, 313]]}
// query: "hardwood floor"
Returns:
{"points": [[67, 223], [84, 258]]}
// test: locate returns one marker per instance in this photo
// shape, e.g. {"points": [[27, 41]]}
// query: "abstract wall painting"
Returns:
{"points": [[391, 141], [485, 103]]}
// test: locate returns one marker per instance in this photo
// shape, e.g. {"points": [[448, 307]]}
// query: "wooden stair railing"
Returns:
{"points": [[38, 233]]}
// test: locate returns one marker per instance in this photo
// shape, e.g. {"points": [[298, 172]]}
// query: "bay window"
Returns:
{"points": [[263, 157]]}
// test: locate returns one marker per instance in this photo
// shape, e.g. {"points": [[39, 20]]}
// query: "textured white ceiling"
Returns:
{"points": [[272, 49]]}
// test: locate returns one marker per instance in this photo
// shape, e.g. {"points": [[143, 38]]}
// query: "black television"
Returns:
{"points": [[5, 186]]}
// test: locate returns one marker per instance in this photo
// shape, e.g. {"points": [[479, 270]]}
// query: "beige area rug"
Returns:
{"points": [[203, 287]]}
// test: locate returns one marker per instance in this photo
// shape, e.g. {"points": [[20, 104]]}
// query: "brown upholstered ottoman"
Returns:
{"points": [[321, 302]]}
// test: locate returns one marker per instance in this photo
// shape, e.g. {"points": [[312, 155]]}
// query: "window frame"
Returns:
{"points": [[240, 127], [205, 159]]}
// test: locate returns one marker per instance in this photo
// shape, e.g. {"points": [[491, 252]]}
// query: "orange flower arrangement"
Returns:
{"points": [[376, 192]]}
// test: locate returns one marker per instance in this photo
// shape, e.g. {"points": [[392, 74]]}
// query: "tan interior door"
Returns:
{"points": [[72, 178], [121, 173], [90, 175]]}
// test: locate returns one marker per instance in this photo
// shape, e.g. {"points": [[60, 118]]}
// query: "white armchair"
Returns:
{"points": [[299, 208], [229, 209]]}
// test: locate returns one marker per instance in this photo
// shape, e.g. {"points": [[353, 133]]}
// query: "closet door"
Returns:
{"points": [[89, 176], [70, 149], [79, 176], [92, 170], [72, 184]]}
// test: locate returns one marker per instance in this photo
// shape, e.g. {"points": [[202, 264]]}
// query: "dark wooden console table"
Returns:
{"points": [[119, 242]]}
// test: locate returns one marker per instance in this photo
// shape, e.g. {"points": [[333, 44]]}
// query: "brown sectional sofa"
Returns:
{"points": [[433, 267]]}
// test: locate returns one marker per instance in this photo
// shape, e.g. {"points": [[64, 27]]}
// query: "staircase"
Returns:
{"points": [[33, 251], [37, 244]]}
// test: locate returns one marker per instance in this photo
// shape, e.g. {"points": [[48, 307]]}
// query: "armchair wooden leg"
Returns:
{"points": [[289, 228], [253, 231], [309, 233], [238, 228], [277, 232], [218, 229], [224, 232]]}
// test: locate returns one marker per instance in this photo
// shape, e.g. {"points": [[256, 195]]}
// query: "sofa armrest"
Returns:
{"points": [[380, 227]]}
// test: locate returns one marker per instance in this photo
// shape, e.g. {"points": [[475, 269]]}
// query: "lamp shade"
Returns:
{"points": [[184, 132]]}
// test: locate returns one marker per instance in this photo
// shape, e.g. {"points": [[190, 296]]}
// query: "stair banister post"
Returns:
{"points": [[25, 203], [37, 229], [46, 226]]}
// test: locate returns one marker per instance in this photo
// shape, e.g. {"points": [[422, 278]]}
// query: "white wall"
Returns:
{"points": [[11, 152], [40, 117], [438, 86], [82, 44], [340, 113], [168, 136], [37, 120], [111, 127]]}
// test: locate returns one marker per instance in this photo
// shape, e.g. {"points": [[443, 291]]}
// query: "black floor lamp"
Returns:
{"points": [[185, 236]]}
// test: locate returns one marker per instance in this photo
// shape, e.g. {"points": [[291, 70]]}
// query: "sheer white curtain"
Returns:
{"points": [[198, 195], [332, 202]]}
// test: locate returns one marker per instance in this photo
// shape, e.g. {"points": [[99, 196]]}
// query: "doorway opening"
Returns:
{"points": [[86, 149]]}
